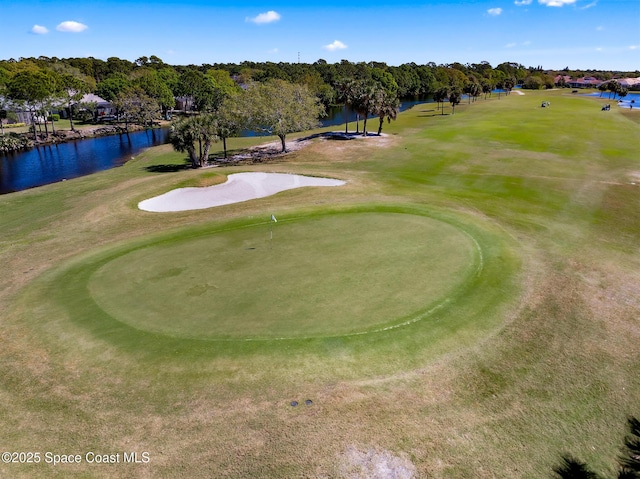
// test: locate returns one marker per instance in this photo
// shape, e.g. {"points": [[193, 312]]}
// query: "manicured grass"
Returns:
{"points": [[323, 276], [533, 355]]}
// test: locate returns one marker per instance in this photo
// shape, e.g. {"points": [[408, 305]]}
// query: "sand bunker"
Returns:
{"points": [[239, 187]]}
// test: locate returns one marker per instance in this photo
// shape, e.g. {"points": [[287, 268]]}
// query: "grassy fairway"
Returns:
{"points": [[466, 306]]}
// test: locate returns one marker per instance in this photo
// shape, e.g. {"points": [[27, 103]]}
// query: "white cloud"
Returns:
{"points": [[39, 30], [599, 28], [634, 47], [336, 45], [523, 2], [514, 44], [273, 51], [556, 3], [267, 17], [71, 26], [494, 12]]}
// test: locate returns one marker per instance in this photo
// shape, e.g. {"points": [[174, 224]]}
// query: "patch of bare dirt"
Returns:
{"points": [[273, 150], [375, 464]]}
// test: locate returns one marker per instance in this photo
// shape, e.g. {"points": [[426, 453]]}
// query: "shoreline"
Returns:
{"points": [[19, 142]]}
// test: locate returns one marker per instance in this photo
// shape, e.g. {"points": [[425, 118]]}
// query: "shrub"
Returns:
{"points": [[13, 142], [54, 117]]}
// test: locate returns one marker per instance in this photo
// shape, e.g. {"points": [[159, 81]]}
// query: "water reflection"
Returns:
{"points": [[52, 163]]}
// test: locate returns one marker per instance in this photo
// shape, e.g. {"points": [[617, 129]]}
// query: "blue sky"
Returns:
{"points": [[598, 34]]}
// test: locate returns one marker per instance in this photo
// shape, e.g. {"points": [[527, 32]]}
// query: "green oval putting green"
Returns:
{"points": [[330, 275]]}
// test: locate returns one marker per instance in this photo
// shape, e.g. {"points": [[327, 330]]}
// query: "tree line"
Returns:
{"points": [[148, 87]]}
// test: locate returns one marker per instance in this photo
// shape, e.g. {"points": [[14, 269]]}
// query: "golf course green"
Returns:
{"points": [[353, 272]]}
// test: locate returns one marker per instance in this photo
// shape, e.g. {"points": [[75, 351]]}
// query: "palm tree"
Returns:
{"points": [[472, 90], [386, 107], [454, 99], [440, 96], [508, 84], [184, 133], [486, 88], [365, 100], [346, 90], [208, 134], [613, 87], [230, 119], [602, 87], [202, 129]]}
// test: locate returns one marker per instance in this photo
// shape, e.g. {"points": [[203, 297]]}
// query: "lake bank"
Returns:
{"points": [[55, 162]]}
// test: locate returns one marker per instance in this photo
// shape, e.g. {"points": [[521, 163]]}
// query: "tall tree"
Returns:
{"points": [[112, 86], [72, 89], [365, 100], [231, 118], [279, 108], [346, 90], [508, 83], [183, 137], [32, 88], [455, 96], [200, 129], [440, 95], [200, 90], [135, 106], [386, 107], [154, 86]]}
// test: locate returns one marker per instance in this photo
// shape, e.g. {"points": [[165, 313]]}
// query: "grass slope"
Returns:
{"points": [[536, 356]]}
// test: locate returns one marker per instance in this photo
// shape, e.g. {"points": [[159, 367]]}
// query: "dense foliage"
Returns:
{"points": [[208, 84]]}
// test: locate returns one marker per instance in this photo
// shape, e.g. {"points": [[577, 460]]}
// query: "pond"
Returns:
{"points": [[52, 163]]}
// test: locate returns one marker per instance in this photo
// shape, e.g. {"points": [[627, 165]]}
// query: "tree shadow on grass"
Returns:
{"points": [[168, 168], [431, 113]]}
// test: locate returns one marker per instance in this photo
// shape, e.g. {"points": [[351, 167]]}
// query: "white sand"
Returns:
{"points": [[238, 187]]}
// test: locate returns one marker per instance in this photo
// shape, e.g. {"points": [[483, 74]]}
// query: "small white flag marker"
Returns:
{"points": [[273, 218]]}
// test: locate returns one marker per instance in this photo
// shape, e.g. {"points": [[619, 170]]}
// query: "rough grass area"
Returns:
{"points": [[534, 355]]}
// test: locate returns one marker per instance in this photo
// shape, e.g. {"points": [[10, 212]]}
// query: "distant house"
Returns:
{"points": [[103, 107], [561, 80], [585, 82], [24, 116], [629, 83], [184, 103]]}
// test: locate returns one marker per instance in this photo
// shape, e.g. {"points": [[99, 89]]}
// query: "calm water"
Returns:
{"points": [[53, 163], [336, 116], [630, 101]]}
